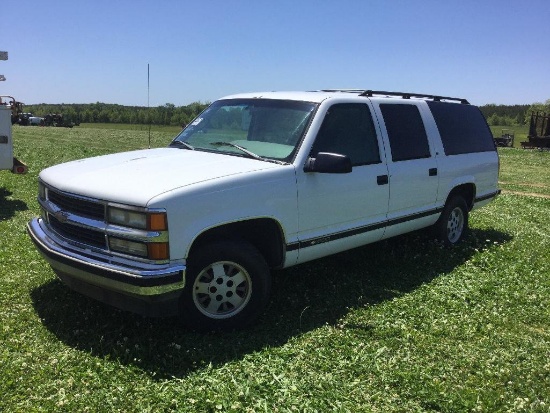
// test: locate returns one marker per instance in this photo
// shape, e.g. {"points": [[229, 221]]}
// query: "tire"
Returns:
{"points": [[453, 222], [227, 287]]}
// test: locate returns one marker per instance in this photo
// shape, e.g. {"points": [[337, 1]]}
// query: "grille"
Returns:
{"points": [[78, 206], [78, 234]]}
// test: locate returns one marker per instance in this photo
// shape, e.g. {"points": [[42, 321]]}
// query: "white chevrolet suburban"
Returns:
{"points": [[261, 181]]}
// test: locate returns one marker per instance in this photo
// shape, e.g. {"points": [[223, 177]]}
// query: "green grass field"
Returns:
{"points": [[403, 325]]}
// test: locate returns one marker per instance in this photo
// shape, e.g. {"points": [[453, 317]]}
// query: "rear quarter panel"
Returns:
{"points": [[481, 169]]}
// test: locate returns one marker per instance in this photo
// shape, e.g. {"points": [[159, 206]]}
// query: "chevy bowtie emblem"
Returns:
{"points": [[61, 216]]}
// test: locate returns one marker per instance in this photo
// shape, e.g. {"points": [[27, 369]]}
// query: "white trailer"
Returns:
{"points": [[7, 160]]}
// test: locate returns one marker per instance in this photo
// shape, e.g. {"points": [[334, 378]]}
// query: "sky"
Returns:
{"points": [[82, 51]]}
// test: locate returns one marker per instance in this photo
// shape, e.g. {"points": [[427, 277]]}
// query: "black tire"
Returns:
{"points": [[226, 288], [453, 222]]}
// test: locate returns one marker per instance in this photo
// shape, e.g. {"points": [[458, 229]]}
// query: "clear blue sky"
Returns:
{"points": [[79, 51]]}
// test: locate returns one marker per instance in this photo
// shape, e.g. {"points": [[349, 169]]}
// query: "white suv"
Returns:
{"points": [[261, 181]]}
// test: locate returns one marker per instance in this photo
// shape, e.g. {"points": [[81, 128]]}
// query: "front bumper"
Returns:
{"points": [[140, 288]]}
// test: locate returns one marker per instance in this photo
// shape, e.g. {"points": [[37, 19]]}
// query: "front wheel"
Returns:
{"points": [[227, 287], [453, 222]]}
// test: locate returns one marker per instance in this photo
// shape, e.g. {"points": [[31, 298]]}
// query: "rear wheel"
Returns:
{"points": [[453, 222], [227, 286]]}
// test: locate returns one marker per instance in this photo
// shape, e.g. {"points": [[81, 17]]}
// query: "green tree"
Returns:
{"points": [[537, 107]]}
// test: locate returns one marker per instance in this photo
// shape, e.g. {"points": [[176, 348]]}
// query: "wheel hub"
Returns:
{"points": [[222, 290], [455, 225]]}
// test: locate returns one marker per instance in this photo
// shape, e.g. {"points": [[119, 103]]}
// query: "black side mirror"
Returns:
{"points": [[328, 163]]}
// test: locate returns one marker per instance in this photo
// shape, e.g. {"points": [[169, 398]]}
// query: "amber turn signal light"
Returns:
{"points": [[158, 251], [157, 221]]}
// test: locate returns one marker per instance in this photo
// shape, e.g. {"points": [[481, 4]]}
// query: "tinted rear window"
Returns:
{"points": [[463, 128], [408, 139]]}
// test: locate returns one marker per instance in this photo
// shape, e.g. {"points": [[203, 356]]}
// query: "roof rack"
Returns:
{"points": [[344, 90], [404, 95], [407, 95]]}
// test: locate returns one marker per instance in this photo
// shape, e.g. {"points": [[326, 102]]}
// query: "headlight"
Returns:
{"points": [[152, 245], [41, 191], [127, 218], [152, 250], [153, 221], [128, 247]]}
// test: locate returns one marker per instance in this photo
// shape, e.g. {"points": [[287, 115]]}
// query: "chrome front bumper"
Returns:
{"points": [[105, 279]]}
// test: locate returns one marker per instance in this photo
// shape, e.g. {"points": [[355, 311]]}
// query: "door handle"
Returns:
{"points": [[382, 179], [432, 171]]}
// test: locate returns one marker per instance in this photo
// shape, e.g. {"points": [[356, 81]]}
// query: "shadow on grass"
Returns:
{"points": [[304, 298], [8, 207]]}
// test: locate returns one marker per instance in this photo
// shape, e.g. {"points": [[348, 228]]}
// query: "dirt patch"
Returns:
{"points": [[524, 184], [505, 191]]}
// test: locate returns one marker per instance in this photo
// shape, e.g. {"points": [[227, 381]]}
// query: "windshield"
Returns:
{"points": [[264, 128]]}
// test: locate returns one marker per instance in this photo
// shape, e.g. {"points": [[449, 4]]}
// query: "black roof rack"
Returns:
{"points": [[344, 90], [407, 95], [404, 95]]}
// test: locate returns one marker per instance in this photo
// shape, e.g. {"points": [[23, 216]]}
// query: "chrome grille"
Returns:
{"points": [[77, 206], [78, 234]]}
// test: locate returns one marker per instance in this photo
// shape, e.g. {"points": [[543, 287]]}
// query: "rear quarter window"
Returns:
{"points": [[462, 128]]}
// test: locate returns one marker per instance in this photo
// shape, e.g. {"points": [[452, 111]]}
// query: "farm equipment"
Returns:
{"points": [[22, 119], [539, 131], [505, 139], [9, 107], [59, 120], [51, 119], [17, 115]]}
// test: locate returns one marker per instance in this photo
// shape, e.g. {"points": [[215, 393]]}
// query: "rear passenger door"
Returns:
{"points": [[412, 167]]}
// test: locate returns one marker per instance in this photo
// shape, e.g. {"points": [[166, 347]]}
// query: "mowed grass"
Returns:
{"points": [[402, 325], [525, 170], [135, 127]]}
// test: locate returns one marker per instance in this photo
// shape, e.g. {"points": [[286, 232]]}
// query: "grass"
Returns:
{"points": [[401, 325], [519, 167], [125, 126]]}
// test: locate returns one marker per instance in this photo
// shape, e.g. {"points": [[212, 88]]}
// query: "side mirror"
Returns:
{"points": [[328, 163]]}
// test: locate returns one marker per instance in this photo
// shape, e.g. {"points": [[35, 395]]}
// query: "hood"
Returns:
{"points": [[136, 177]]}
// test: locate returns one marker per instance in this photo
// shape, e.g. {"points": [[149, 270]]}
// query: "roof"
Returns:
{"points": [[313, 96], [318, 96]]}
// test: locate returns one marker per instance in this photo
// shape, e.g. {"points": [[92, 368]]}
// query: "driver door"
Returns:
{"points": [[338, 211]]}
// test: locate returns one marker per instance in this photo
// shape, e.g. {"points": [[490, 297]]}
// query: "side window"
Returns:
{"points": [[348, 130], [463, 128], [406, 132]]}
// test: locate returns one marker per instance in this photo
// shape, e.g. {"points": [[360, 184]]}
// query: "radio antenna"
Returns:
{"points": [[148, 112]]}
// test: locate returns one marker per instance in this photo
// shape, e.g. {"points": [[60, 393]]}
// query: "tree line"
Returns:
{"points": [[512, 115], [169, 114]]}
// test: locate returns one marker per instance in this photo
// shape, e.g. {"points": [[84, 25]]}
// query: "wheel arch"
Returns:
{"points": [[265, 234], [467, 191]]}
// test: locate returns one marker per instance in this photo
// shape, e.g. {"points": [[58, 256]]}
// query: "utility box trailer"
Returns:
{"points": [[7, 160]]}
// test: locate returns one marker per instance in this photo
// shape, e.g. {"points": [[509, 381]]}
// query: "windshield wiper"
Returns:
{"points": [[181, 144], [247, 152]]}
